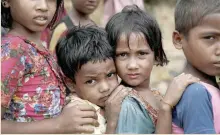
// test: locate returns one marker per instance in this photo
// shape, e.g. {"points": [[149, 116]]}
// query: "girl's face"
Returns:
{"points": [[134, 59], [32, 15], [85, 6]]}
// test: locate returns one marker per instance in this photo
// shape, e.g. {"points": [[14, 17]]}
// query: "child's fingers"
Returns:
{"points": [[89, 121], [89, 114], [115, 92], [189, 80], [120, 97], [88, 129], [122, 94]]}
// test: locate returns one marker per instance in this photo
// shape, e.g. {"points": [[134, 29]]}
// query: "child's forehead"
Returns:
{"points": [[98, 66], [209, 24], [132, 40], [131, 37], [210, 19]]}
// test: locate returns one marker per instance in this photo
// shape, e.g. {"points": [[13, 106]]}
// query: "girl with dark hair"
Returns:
{"points": [[32, 89], [137, 42]]}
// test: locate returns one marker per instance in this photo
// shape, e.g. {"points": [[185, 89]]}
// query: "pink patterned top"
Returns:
{"points": [[31, 87]]}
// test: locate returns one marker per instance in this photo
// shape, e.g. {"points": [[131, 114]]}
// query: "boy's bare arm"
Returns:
{"points": [[71, 120], [164, 122]]}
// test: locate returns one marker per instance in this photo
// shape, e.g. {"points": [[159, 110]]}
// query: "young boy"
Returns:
{"points": [[86, 57], [198, 35], [79, 15]]}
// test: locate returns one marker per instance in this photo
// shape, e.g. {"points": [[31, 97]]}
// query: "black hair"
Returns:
{"points": [[133, 19], [189, 13], [82, 44], [6, 18]]}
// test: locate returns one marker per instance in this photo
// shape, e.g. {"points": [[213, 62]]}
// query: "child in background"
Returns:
{"points": [[79, 15], [198, 35], [86, 57], [32, 90], [136, 39], [111, 7]]}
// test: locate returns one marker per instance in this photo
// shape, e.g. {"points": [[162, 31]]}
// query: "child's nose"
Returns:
{"points": [[104, 87], [132, 64], [42, 5]]}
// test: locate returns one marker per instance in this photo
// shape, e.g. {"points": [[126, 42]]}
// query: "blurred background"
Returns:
{"points": [[163, 11]]}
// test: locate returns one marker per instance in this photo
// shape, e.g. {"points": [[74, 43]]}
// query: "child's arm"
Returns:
{"points": [[71, 120], [171, 98], [113, 107]]}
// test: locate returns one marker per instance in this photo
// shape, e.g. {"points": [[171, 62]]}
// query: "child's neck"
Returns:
{"points": [[142, 88], [79, 18], [189, 69], [19, 30]]}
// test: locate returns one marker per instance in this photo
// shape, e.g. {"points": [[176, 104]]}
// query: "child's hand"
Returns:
{"points": [[177, 87], [113, 104], [77, 118]]}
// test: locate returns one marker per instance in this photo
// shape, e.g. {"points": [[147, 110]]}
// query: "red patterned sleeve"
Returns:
{"points": [[12, 69]]}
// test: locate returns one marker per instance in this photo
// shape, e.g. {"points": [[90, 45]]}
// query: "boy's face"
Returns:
{"points": [[86, 6], [134, 59], [202, 46], [95, 81]]}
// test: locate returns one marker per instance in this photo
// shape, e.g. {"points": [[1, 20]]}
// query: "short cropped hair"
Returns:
{"points": [[6, 18], [133, 19], [189, 13], [82, 44]]}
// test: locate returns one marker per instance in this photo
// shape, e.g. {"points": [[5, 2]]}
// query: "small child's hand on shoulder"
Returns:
{"points": [[113, 104], [177, 87]]}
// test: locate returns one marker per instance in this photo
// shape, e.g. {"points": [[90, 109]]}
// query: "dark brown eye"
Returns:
{"points": [[90, 81], [110, 75]]}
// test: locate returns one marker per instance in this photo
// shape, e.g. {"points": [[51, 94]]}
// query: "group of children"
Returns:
{"points": [[35, 97]]}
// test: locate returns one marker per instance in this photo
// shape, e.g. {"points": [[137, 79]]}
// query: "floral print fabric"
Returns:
{"points": [[31, 86]]}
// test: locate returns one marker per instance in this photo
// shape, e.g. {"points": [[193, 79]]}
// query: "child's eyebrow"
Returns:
{"points": [[94, 75], [91, 75], [122, 49], [145, 49], [210, 31]]}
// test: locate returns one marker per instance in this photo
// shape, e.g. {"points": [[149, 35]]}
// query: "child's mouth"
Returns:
{"points": [[133, 76], [41, 20]]}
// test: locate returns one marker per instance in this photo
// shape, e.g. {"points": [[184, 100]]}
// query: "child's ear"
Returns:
{"points": [[177, 40], [71, 85], [5, 3]]}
